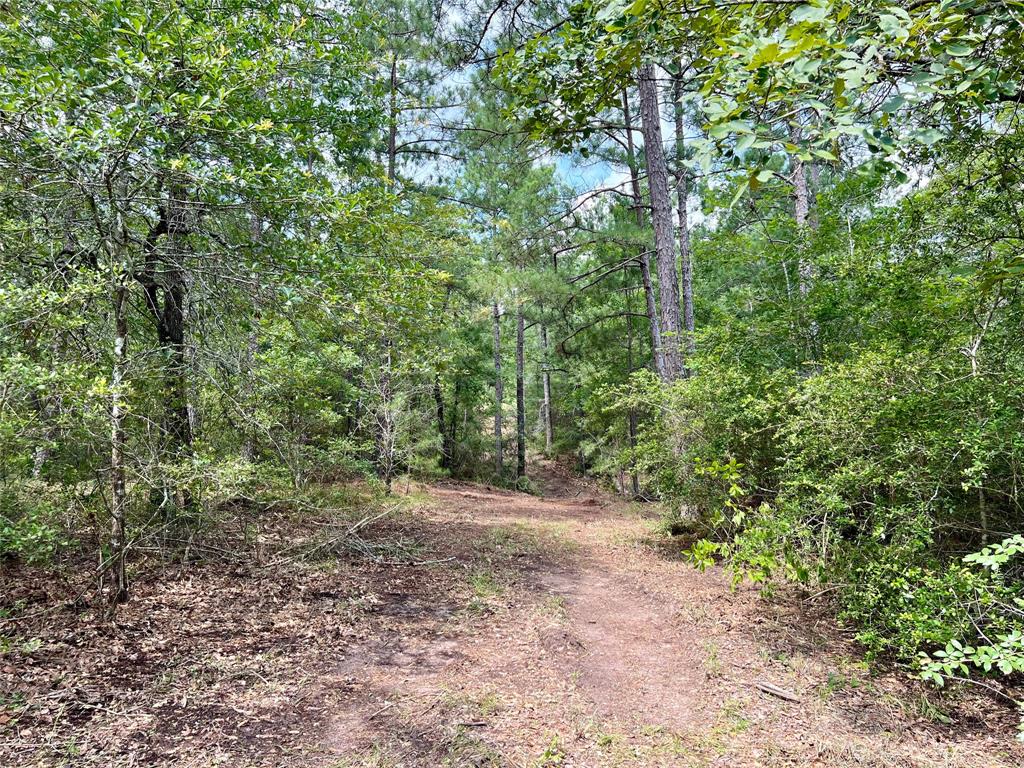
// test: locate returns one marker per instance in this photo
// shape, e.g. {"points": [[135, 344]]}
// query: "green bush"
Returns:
{"points": [[30, 522], [875, 476]]}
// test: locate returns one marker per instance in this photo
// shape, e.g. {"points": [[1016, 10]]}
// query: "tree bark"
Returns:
{"points": [[661, 217], [441, 426], [631, 419], [682, 196], [165, 286], [386, 423], [804, 223], [451, 433], [801, 209], [549, 430], [499, 395], [118, 438], [393, 120], [645, 259], [520, 392]]}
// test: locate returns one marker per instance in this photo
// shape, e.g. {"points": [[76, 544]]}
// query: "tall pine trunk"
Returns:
{"points": [[645, 259], [446, 450], [631, 418], [520, 392], [386, 426], [549, 430], [386, 420], [682, 195], [661, 217], [499, 395], [393, 120]]}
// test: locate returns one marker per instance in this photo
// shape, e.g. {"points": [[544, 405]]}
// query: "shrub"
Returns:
{"points": [[30, 522], [875, 476]]}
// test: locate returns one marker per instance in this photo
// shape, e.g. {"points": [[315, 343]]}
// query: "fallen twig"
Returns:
{"points": [[774, 690], [414, 563]]}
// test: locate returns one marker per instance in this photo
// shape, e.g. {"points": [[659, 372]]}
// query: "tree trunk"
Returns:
{"points": [[802, 219], [520, 392], [645, 259], [46, 409], [801, 209], [451, 433], [631, 419], [499, 392], [173, 318], [386, 423], [682, 195], [546, 375], [165, 284], [252, 345], [661, 217], [441, 426], [118, 438], [393, 120]]}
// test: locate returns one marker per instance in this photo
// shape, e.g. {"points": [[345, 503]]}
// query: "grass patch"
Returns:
{"points": [[554, 754], [485, 585]]}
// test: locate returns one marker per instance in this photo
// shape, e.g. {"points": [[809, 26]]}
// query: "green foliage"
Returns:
{"points": [[304, 305], [31, 524]]}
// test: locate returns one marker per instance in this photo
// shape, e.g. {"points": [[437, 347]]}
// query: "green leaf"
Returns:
{"points": [[893, 104], [740, 191], [893, 27], [745, 142], [928, 136], [809, 13]]}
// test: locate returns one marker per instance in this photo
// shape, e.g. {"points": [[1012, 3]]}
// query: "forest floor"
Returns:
{"points": [[474, 627]]}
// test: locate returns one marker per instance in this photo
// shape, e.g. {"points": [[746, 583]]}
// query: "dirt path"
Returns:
{"points": [[477, 627], [581, 644]]}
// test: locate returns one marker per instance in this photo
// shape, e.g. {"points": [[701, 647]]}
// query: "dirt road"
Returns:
{"points": [[586, 642], [476, 627]]}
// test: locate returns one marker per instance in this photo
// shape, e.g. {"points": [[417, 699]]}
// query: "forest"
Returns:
{"points": [[512, 383]]}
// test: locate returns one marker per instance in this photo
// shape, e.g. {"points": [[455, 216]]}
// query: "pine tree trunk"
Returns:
{"points": [[439, 412], [118, 438], [631, 419], [682, 195], [661, 217], [451, 432], [645, 259], [499, 395], [520, 392], [393, 121], [386, 423], [549, 429]]}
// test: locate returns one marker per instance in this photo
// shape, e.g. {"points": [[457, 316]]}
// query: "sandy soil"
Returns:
{"points": [[506, 630]]}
